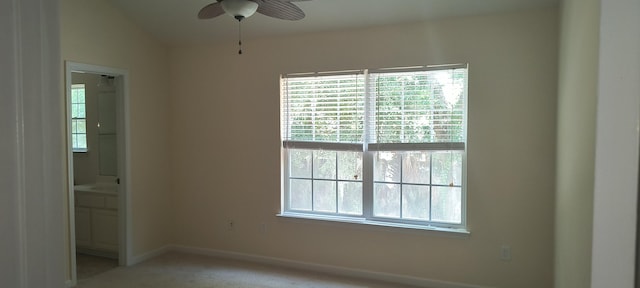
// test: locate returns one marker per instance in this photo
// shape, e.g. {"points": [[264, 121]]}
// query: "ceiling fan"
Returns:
{"points": [[241, 9]]}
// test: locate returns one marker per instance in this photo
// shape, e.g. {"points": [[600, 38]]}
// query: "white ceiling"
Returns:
{"points": [[175, 22]]}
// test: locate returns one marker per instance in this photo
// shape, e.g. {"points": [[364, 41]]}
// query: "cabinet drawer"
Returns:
{"points": [[86, 200], [111, 202]]}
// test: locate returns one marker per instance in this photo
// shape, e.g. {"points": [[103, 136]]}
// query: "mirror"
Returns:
{"points": [[107, 126], [99, 127]]}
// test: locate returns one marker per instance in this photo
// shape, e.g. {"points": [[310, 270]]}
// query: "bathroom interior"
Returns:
{"points": [[94, 146]]}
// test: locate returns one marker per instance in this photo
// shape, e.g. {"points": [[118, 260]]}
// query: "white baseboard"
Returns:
{"points": [[151, 254], [336, 270]]}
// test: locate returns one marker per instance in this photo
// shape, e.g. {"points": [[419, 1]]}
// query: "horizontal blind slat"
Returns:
{"points": [[445, 146], [318, 145]]}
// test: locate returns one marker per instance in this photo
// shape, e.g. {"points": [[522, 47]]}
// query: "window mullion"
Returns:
{"points": [[430, 186], [337, 181], [401, 183], [313, 180], [367, 156]]}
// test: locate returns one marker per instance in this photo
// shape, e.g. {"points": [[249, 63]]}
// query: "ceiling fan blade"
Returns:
{"points": [[280, 9], [210, 11]]}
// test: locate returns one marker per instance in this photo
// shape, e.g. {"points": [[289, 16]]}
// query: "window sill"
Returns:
{"points": [[451, 232]]}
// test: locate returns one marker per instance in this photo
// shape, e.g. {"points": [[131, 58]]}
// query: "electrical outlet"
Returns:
{"points": [[263, 228], [505, 253]]}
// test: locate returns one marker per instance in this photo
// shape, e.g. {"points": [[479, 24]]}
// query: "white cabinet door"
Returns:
{"points": [[83, 226], [104, 224]]}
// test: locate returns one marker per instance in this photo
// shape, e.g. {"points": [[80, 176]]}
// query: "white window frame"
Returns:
{"points": [[368, 150], [74, 133]]}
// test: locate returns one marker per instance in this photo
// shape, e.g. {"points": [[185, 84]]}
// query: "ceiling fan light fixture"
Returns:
{"points": [[239, 8]]}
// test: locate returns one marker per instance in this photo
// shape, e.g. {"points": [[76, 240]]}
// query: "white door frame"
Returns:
{"points": [[124, 160], [617, 141]]}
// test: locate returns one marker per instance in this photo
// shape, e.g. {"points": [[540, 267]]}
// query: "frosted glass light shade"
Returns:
{"points": [[244, 8]]}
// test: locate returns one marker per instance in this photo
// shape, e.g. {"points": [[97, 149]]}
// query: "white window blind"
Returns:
{"points": [[328, 109], [418, 108]]}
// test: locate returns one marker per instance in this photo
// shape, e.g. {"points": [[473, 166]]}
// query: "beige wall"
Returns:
{"points": [[226, 156], [94, 32], [577, 92]]}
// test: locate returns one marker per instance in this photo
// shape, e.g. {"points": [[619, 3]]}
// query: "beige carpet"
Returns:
{"points": [[173, 270]]}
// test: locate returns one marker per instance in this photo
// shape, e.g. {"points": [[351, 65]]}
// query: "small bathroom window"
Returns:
{"points": [[78, 118]]}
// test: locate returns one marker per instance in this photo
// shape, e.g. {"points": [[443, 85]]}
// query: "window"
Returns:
{"points": [[377, 146], [78, 118]]}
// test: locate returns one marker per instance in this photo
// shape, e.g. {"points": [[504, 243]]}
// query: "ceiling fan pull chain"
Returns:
{"points": [[240, 36]]}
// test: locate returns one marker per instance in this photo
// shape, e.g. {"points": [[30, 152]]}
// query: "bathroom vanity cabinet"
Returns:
{"points": [[96, 215]]}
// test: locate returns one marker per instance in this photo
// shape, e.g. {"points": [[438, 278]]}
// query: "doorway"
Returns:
{"points": [[98, 168]]}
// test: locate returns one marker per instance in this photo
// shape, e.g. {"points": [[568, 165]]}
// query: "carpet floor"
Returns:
{"points": [[173, 270]]}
